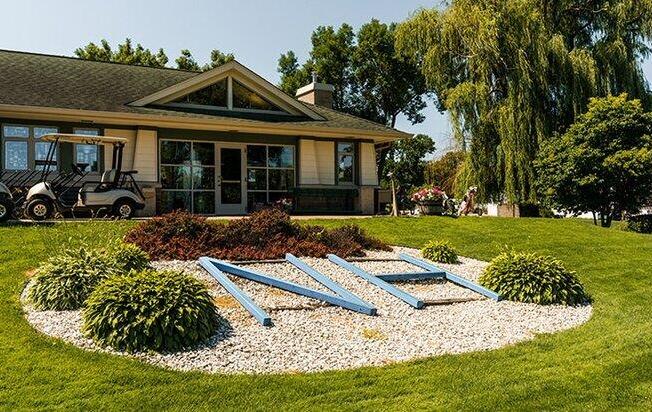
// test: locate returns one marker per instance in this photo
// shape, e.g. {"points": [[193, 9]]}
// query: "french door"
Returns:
{"points": [[231, 188], [203, 177]]}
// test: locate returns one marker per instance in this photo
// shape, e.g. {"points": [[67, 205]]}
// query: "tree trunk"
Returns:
{"points": [[382, 154], [380, 162], [605, 218], [394, 200], [595, 219]]}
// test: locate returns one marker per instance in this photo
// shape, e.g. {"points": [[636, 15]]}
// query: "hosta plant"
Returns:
{"points": [[66, 281], [440, 251], [150, 310], [527, 277], [128, 257]]}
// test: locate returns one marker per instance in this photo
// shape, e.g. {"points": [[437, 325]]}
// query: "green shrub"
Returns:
{"points": [[640, 223], [150, 310], [66, 281], [440, 251], [527, 277], [128, 257]]}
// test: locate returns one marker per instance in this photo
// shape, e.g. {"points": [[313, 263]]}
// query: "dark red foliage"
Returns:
{"points": [[357, 235], [267, 234]]}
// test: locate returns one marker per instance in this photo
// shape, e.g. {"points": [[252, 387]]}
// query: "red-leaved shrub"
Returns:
{"points": [[267, 234]]}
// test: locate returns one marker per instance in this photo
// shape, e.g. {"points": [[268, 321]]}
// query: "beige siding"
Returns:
{"points": [[146, 155], [368, 175], [127, 158], [140, 152], [325, 162], [308, 174], [316, 162]]}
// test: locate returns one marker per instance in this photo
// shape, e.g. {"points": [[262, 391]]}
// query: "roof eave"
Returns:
{"points": [[161, 121]]}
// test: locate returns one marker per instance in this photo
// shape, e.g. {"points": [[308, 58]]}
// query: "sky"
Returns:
{"points": [[257, 32]]}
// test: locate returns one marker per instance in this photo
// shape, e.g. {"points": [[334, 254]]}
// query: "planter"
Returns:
{"points": [[431, 208]]}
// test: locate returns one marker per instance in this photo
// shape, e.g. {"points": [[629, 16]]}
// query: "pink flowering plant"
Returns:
{"points": [[431, 194]]}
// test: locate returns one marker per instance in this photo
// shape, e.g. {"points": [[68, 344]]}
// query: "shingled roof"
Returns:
{"points": [[39, 80]]}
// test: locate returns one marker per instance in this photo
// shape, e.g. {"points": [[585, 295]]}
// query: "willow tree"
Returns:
{"points": [[512, 73]]}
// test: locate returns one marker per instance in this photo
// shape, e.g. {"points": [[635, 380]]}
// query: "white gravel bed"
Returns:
{"points": [[311, 336]]}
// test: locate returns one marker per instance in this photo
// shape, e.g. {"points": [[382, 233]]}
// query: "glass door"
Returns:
{"points": [[231, 191]]}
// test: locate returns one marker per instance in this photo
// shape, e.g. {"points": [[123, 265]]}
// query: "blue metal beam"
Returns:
{"points": [[326, 281], [402, 277], [420, 263], [405, 297], [452, 277], [238, 294], [292, 287]]}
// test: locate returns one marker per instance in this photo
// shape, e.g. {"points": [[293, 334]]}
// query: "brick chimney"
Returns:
{"points": [[319, 94]]}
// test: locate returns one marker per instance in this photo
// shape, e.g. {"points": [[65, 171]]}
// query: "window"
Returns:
{"points": [[270, 174], [22, 148], [345, 163], [213, 95], [87, 155], [226, 94], [243, 98], [187, 176]]}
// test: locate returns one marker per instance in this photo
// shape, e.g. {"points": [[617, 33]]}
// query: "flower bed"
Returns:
{"points": [[310, 336], [430, 200]]}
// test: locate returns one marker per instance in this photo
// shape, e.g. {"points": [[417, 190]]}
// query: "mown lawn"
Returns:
{"points": [[604, 364]]}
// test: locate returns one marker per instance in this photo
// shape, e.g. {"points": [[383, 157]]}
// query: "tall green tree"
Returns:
{"points": [[443, 172], [186, 61], [370, 80], [603, 163], [384, 85], [330, 57], [126, 53], [293, 76], [512, 73], [140, 56], [217, 59], [405, 162]]}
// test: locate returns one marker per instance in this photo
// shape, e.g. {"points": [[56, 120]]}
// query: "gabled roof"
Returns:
{"points": [[100, 91], [234, 69]]}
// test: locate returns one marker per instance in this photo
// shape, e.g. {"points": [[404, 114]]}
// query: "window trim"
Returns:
{"points": [[233, 107], [267, 168], [190, 165], [353, 155], [230, 106], [100, 165]]}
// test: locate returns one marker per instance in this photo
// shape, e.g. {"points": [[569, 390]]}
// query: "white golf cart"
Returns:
{"points": [[117, 193], [6, 203]]}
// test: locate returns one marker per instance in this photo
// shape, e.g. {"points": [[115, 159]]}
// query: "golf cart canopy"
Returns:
{"points": [[82, 138]]}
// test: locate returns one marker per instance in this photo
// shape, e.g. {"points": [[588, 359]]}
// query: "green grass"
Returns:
{"points": [[604, 364]]}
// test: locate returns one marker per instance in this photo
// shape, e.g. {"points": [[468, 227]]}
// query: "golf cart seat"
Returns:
{"points": [[107, 182]]}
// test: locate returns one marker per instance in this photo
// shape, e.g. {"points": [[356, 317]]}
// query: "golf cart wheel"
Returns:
{"points": [[5, 210], [124, 209], [39, 209]]}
